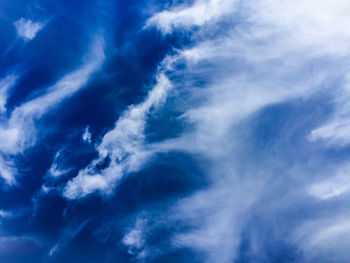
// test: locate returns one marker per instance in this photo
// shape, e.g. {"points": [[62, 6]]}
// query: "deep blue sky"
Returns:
{"points": [[174, 131]]}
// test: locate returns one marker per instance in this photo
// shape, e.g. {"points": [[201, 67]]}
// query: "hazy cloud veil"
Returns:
{"points": [[175, 131]]}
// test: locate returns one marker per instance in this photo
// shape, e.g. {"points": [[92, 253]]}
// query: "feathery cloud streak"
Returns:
{"points": [[123, 145], [18, 132]]}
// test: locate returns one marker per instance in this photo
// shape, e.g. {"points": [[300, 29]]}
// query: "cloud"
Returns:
{"points": [[275, 52], [320, 239], [335, 131], [18, 132], [333, 186], [5, 86], [200, 13], [55, 171], [86, 137], [5, 214], [134, 239], [7, 170], [321, 32], [27, 29], [218, 223], [69, 233], [123, 145], [13, 213]]}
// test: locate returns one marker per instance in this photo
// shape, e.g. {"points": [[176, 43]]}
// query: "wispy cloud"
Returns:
{"points": [[123, 145], [321, 237], [18, 132], [200, 13], [55, 170], [5, 87], [86, 137], [5, 214], [273, 53], [69, 233], [335, 131], [333, 186], [27, 29], [134, 239]]}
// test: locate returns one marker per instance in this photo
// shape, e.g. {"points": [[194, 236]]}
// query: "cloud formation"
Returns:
{"points": [[198, 14], [5, 87], [123, 146], [18, 132], [274, 53], [253, 94], [27, 29]]}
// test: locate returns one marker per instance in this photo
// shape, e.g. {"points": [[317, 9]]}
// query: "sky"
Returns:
{"points": [[156, 131]]}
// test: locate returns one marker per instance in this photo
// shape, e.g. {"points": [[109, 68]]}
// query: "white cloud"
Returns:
{"points": [[55, 170], [45, 190], [123, 145], [134, 239], [69, 233], [5, 85], [5, 214], [7, 171], [27, 29], [325, 238], [201, 12], [18, 132], [320, 30], [333, 186], [263, 59], [227, 98], [335, 131], [86, 135], [277, 51], [218, 223]]}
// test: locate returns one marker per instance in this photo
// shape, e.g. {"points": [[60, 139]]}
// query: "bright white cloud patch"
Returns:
{"points": [[27, 29]]}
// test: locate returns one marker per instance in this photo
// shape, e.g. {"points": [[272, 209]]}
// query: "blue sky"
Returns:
{"points": [[174, 131]]}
